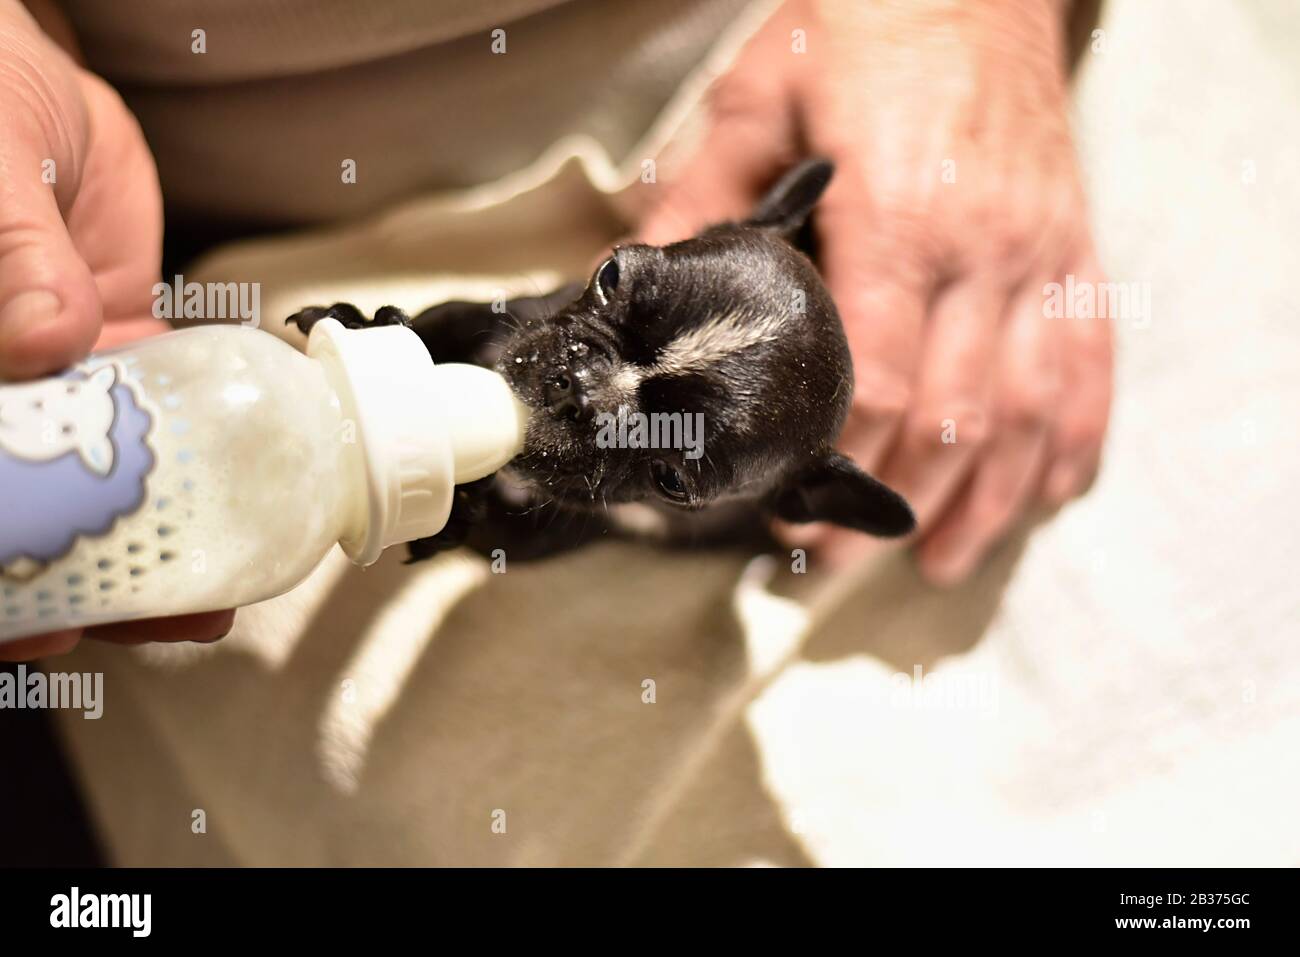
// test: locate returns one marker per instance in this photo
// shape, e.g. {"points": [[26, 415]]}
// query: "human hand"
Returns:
{"points": [[956, 200], [80, 246]]}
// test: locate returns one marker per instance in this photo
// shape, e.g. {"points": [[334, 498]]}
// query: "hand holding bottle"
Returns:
{"points": [[80, 247]]}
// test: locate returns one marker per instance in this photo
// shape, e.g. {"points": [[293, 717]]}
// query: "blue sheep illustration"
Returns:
{"points": [[74, 458]]}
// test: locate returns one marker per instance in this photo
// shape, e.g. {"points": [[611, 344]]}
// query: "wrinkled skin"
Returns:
{"points": [[956, 199]]}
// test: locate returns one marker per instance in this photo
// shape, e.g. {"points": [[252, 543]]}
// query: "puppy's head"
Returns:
{"points": [[711, 369]]}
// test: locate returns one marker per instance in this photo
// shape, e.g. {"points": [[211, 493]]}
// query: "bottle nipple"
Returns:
{"points": [[423, 428], [485, 420]]}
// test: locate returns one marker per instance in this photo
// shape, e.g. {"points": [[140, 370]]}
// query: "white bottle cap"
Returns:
{"points": [[423, 428]]}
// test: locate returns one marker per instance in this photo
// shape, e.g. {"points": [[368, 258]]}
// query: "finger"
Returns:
{"points": [[747, 142], [119, 185], [40, 646], [952, 417], [123, 331], [49, 305], [882, 287], [1010, 466], [720, 182], [1084, 411], [885, 341], [842, 548], [202, 627]]}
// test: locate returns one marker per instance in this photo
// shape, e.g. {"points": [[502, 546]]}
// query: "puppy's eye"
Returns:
{"points": [[607, 279], [668, 482]]}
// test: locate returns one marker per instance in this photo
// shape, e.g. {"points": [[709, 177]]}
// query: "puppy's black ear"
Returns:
{"points": [[835, 490], [788, 203]]}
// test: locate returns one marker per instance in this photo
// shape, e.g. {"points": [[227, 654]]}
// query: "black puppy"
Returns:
{"points": [[685, 392]]}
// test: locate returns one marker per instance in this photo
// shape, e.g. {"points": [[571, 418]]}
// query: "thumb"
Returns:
{"points": [[737, 159], [747, 139], [49, 304]]}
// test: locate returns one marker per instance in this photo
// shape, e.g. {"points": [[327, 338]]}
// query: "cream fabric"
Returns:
{"points": [[419, 94], [1123, 687]]}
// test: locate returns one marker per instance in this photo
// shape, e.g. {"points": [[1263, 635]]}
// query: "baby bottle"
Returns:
{"points": [[216, 466]]}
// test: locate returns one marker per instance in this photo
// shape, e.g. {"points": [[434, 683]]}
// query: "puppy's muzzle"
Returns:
{"points": [[565, 396]]}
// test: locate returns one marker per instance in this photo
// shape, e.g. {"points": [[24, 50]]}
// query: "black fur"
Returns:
{"points": [[772, 410]]}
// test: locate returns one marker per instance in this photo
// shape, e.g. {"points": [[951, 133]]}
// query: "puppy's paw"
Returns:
{"points": [[468, 508], [391, 316], [349, 315]]}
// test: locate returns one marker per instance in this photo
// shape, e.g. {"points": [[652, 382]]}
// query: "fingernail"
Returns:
{"points": [[214, 640], [27, 310]]}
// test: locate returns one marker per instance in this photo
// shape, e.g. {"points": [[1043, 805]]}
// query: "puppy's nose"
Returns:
{"points": [[565, 397]]}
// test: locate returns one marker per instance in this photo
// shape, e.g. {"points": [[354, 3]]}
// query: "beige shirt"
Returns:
{"points": [[420, 94]]}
